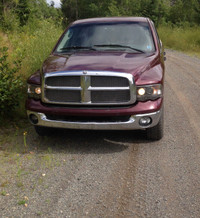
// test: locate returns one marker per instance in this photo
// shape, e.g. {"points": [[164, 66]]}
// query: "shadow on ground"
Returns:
{"points": [[86, 141]]}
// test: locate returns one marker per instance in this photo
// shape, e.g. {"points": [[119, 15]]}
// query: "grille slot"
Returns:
{"points": [[109, 81], [99, 119], [69, 81], [63, 95], [110, 96]]}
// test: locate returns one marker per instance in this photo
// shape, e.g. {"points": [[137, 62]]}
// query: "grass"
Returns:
{"points": [[33, 45], [30, 45], [186, 39]]}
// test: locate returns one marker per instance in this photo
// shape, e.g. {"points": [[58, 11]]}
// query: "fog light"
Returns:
{"points": [[145, 121], [33, 118]]}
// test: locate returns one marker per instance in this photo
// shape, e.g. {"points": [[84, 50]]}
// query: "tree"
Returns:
{"points": [[70, 9], [176, 12], [41, 10], [197, 10], [23, 11]]}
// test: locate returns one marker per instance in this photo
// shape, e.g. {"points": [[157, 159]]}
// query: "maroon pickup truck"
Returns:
{"points": [[103, 74]]}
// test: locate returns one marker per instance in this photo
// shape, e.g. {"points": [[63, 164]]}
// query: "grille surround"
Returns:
{"points": [[87, 88]]}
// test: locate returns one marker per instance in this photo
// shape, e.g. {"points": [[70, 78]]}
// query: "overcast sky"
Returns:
{"points": [[57, 2]]}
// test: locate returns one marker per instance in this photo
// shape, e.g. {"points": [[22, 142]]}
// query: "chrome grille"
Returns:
{"points": [[89, 88]]}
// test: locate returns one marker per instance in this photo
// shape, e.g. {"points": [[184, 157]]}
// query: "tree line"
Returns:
{"points": [[175, 12], [160, 11]]}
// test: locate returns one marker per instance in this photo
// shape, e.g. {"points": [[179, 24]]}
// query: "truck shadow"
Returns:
{"points": [[88, 141]]}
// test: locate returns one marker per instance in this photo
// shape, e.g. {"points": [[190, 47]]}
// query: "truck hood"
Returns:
{"points": [[134, 63]]}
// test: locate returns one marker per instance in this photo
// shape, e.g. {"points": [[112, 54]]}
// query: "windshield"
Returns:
{"points": [[130, 36]]}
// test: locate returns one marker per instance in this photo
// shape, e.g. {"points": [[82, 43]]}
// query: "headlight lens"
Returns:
{"points": [[34, 91], [149, 92]]}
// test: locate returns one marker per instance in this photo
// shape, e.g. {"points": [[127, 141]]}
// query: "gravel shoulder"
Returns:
{"points": [[110, 173]]}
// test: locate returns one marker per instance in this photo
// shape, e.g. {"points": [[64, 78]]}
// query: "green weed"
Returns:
{"points": [[25, 144], [47, 161], [21, 202], [3, 193]]}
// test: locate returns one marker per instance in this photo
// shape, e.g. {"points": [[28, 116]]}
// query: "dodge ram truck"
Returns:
{"points": [[103, 74]]}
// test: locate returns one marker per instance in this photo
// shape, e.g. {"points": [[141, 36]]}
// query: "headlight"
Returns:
{"points": [[34, 91], [149, 92]]}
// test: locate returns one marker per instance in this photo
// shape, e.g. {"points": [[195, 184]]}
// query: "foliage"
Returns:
{"points": [[185, 39], [10, 84], [23, 11], [70, 10], [33, 44], [41, 10], [15, 12], [30, 28], [160, 11]]}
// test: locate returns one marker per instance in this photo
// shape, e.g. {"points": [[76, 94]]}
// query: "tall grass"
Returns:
{"points": [[33, 44], [185, 39], [30, 45]]}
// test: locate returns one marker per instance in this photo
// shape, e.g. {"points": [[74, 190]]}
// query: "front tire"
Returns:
{"points": [[156, 133]]}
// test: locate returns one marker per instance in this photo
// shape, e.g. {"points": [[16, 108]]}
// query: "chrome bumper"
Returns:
{"points": [[131, 124]]}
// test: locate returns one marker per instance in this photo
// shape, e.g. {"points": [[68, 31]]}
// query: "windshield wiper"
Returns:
{"points": [[77, 48], [119, 46]]}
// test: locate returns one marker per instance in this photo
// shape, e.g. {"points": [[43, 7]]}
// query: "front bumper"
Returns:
{"points": [[131, 124]]}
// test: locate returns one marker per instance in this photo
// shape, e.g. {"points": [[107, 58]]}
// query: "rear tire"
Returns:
{"points": [[156, 133], [43, 131]]}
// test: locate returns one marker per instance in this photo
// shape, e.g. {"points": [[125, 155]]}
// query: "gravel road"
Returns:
{"points": [[118, 174]]}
